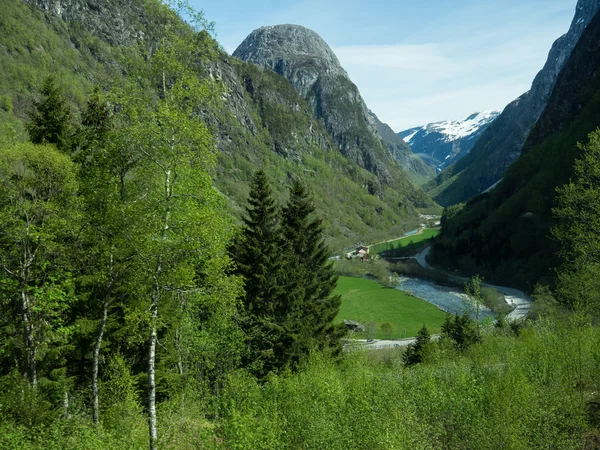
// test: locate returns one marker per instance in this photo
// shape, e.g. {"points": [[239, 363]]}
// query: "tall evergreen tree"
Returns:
{"points": [[50, 118], [257, 256], [417, 351], [462, 330], [105, 253], [310, 280]]}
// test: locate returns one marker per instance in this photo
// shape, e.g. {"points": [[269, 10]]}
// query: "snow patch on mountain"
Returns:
{"points": [[456, 129], [440, 144]]}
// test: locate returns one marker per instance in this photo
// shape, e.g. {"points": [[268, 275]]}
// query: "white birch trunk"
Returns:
{"points": [[95, 364], [152, 422]]}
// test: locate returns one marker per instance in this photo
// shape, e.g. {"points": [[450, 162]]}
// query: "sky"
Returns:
{"points": [[417, 61]]}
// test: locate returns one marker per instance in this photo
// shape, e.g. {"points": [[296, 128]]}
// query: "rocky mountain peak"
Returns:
{"points": [[296, 52], [440, 144], [309, 64]]}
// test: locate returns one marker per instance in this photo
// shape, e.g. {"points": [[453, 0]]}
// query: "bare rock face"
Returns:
{"points": [[111, 21], [297, 53], [305, 59], [501, 144]]}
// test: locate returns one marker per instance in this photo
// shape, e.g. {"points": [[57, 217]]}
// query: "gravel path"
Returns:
{"points": [[376, 344]]}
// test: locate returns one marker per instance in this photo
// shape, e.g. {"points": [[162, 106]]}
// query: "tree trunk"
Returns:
{"points": [[151, 373], [95, 400], [153, 333], [95, 396], [30, 355], [28, 327]]}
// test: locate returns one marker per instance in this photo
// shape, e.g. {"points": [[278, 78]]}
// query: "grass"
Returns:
{"points": [[372, 304], [435, 209], [427, 234]]}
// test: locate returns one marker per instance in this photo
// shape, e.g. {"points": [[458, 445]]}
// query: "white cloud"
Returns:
{"points": [[418, 62], [410, 85]]}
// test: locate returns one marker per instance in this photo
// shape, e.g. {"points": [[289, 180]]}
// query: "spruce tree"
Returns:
{"points": [[417, 351], [49, 119], [257, 256], [462, 330], [310, 279]]}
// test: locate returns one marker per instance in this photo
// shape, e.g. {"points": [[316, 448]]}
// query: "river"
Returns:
{"points": [[452, 300]]}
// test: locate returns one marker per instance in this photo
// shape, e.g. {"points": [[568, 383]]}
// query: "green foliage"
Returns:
{"points": [[374, 268], [121, 409], [39, 216], [6, 103], [496, 395], [256, 255], [310, 305], [289, 306], [577, 230], [49, 119], [461, 330], [418, 351]]}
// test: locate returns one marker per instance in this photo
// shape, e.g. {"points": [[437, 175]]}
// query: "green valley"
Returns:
{"points": [[183, 226]]}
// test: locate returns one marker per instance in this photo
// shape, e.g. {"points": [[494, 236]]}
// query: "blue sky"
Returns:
{"points": [[417, 62]]}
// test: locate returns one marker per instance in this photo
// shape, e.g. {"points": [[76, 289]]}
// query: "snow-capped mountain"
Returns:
{"points": [[443, 143]]}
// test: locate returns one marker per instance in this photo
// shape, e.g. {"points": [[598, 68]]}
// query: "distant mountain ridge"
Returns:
{"points": [[500, 145], [440, 144], [305, 59], [505, 234]]}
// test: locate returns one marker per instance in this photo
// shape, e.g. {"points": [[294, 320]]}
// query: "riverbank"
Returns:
{"points": [[519, 302]]}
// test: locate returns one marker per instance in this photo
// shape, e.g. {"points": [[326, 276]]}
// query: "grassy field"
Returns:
{"points": [[428, 233], [372, 304]]}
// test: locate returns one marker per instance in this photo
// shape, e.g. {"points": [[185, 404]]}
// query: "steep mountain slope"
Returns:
{"points": [[301, 56], [500, 145], [504, 234], [412, 164], [440, 144], [259, 120]]}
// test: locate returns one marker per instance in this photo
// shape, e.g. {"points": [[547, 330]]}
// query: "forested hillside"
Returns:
{"points": [[125, 281], [259, 120], [505, 234], [165, 280]]}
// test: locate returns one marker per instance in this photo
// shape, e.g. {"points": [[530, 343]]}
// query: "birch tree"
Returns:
{"points": [[177, 227], [39, 215]]}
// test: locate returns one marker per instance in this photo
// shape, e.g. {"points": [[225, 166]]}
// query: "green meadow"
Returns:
{"points": [[427, 234], [372, 304]]}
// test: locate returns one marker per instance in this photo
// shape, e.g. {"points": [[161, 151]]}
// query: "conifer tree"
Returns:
{"points": [[417, 351], [462, 330], [310, 279], [49, 119], [256, 253]]}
